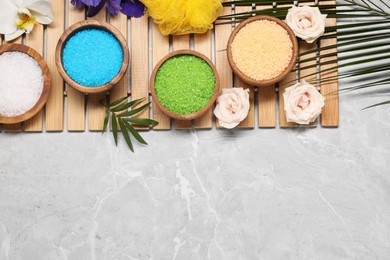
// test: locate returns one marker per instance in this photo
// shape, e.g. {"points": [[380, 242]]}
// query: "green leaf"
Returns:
{"points": [[379, 104], [118, 101], [127, 105], [106, 118], [125, 134], [114, 128], [134, 111], [142, 121], [134, 132]]}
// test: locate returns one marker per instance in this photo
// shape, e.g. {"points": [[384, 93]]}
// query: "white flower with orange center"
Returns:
{"points": [[19, 16]]}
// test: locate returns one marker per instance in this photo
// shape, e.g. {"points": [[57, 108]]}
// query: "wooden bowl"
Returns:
{"points": [[268, 82], [46, 83], [184, 116], [85, 25]]}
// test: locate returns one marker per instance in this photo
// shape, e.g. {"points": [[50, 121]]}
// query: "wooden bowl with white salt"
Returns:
{"points": [[25, 83], [262, 50]]}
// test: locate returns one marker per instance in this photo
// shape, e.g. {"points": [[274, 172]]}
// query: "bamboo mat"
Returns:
{"points": [[67, 109]]}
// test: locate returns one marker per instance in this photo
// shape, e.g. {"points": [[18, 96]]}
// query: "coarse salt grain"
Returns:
{"points": [[262, 50], [21, 83]]}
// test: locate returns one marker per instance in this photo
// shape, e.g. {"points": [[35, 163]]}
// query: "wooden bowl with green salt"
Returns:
{"points": [[262, 50], [25, 83], [184, 84]]}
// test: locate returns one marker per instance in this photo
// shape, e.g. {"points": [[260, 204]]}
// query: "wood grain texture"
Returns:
{"points": [[35, 40], [55, 103], [202, 44], [249, 121], [330, 112], [222, 33], [266, 99], [303, 47], [121, 89], [160, 48], [1, 43], [96, 110], [140, 62], [75, 100], [181, 42], [18, 126]]}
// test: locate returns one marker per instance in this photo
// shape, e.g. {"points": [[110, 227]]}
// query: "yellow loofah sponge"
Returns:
{"points": [[184, 16]]}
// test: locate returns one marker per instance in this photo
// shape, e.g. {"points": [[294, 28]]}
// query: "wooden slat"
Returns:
{"points": [[160, 48], [202, 44], [121, 89], [222, 33], [287, 82], [303, 47], [55, 102], [14, 127], [140, 61], [330, 112], [266, 98], [75, 100], [35, 41], [96, 110], [249, 121], [180, 42]]}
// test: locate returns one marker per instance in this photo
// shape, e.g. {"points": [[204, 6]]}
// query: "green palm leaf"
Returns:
{"points": [[362, 50]]}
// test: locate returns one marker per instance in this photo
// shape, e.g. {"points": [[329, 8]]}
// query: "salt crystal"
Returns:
{"points": [[21, 83]]}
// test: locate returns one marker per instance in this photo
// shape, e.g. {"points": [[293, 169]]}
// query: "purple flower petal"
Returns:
{"points": [[93, 10], [93, 2], [114, 6], [78, 3], [133, 8]]}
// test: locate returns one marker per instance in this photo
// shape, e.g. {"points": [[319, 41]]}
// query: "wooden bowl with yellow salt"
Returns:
{"points": [[262, 50], [46, 81]]}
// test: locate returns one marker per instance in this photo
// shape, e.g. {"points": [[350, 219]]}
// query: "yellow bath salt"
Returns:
{"points": [[262, 50]]}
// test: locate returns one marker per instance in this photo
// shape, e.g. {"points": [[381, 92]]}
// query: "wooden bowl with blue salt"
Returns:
{"points": [[25, 83], [92, 56]]}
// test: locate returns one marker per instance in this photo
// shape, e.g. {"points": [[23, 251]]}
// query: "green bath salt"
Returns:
{"points": [[184, 84]]}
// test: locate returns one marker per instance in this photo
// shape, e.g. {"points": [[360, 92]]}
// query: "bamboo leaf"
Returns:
{"points": [[142, 121], [125, 134], [379, 104], [128, 105], [134, 111], [106, 118], [134, 132], [114, 128], [118, 101]]}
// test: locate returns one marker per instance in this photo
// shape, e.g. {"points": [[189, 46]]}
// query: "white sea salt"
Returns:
{"points": [[21, 83]]}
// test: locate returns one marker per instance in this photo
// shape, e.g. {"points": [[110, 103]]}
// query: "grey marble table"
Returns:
{"points": [[242, 194]]}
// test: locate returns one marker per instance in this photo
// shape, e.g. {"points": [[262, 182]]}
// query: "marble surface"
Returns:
{"points": [[219, 194]]}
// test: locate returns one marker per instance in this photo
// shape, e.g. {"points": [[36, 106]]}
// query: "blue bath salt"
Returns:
{"points": [[92, 57]]}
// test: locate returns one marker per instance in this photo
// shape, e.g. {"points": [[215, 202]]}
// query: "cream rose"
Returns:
{"points": [[232, 107], [307, 22], [302, 103]]}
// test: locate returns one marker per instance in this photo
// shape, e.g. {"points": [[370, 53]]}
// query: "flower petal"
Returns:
{"points": [[43, 19], [114, 6], [78, 3], [12, 36], [41, 7], [8, 14], [93, 10], [133, 9], [93, 2]]}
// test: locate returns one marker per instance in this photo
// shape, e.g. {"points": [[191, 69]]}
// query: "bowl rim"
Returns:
{"points": [[91, 23], [288, 69], [205, 108], [46, 82]]}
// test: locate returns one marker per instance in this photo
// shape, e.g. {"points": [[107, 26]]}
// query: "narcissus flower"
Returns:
{"points": [[19, 16]]}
